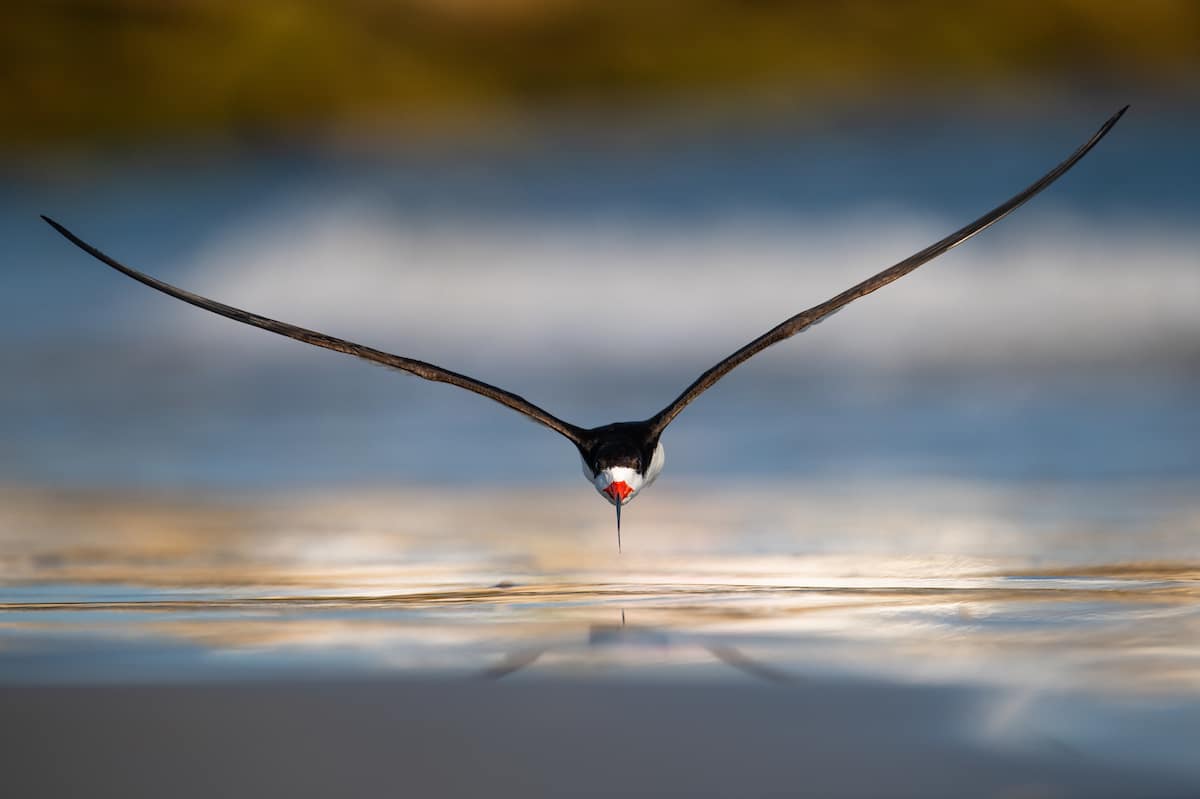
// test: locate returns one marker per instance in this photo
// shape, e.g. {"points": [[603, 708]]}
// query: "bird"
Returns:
{"points": [[621, 459]]}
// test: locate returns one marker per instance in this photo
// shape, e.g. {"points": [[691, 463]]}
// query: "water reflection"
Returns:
{"points": [[609, 636]]}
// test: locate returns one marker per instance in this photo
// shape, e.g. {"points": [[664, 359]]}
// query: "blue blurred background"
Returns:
{"points": [[588, 204]]}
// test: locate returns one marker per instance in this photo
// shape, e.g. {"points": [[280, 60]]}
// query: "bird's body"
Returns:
{"points": [[620, 459]]}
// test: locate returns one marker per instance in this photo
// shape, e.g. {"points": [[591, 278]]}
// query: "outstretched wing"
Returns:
{"points": [[418, 368], [806, 319]]}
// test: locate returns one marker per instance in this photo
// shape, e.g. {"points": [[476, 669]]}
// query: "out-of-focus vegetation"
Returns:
{"points": [[85, 72]]}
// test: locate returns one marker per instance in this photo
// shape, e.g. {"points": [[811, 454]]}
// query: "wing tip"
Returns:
{"points": [[78, 242], [68, 235], [1112, 120]]}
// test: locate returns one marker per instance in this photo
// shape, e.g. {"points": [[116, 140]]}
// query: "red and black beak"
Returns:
{"points": [[618, 492]]}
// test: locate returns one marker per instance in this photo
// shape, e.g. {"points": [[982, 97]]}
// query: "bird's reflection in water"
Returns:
{"points": [[640, 638]]}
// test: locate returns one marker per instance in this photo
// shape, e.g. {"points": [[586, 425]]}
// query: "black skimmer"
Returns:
{"points": [[623, 458]]}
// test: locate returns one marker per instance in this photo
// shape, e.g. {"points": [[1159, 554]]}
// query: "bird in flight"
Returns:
{"points": [[623, 458]]}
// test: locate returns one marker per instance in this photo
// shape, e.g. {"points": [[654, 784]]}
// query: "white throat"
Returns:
{"points": [[618, 474]]}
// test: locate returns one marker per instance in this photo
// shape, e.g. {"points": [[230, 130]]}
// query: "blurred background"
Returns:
{"points": [[589, 203], [985, 475]]}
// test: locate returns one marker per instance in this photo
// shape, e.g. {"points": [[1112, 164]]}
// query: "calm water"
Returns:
{"points": [[1044, 588], [1042, 637]]}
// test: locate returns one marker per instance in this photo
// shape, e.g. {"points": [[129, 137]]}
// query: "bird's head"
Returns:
{"points": [[619, 468], [616, 471]]}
